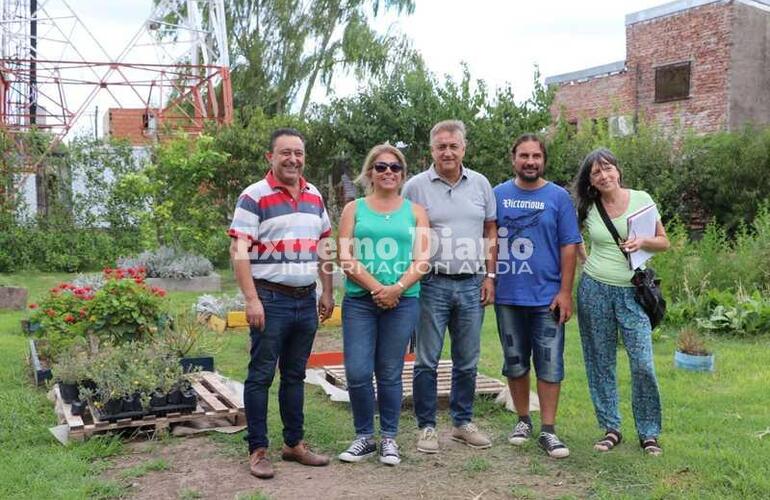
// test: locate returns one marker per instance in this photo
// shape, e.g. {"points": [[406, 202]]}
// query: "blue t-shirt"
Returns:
{"points": [[533, 225]]}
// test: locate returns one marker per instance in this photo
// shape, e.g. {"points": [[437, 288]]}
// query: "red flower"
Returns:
{"points": [[69, 318], [33, 306], [50, 312], [138, 279], [82, 313]]}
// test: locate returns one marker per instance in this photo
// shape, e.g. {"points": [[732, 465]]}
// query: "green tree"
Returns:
{"points": [[282, 47]]}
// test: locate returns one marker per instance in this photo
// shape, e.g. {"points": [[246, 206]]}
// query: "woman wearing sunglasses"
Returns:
{"points": [[383, 244]]}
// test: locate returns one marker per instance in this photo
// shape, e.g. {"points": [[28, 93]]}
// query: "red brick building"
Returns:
{"points": [[700, 64]]}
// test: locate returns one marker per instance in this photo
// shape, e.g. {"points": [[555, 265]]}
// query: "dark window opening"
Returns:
{"points": [[672, 82]]}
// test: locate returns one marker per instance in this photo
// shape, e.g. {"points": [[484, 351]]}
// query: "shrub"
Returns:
{"points": [[125, 308], [63, 318], [169, 263], [72, 367], [691, 342], [186, 335]]}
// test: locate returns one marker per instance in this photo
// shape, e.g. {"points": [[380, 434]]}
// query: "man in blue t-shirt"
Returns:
{"points": [[538, 237]]}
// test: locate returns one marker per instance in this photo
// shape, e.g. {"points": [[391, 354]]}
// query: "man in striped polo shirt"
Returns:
{"points": [[278, 226]]}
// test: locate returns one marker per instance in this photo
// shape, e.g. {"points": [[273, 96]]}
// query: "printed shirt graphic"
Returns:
{"points": [[533, 225], [283, 232]]}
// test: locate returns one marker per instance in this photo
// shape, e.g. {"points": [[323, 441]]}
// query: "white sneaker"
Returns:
{"points": [[553, 445], [521, 433], [389, 452]]}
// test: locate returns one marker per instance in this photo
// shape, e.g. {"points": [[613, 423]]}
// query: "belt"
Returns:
{"points": [[456, 277], [298, 292]]}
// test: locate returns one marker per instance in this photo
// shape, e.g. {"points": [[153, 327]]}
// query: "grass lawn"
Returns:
{"points": [[713, 423]]}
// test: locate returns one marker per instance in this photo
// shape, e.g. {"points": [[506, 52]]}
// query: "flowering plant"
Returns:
{"points": [[62, 316], [124, 308]]}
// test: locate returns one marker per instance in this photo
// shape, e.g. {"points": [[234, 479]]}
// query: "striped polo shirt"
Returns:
{"points": [[283, 232]]}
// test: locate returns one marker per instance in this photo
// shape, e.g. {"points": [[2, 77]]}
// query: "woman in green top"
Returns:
{"points": [[606, 302], [383, 244]]}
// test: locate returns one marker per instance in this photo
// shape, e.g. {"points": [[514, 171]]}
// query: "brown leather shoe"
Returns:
{"points": [[259, 464], [302, 454]]}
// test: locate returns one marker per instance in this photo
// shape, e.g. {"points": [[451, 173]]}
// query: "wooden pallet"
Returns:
{"points": [[484, 385], [214, 400]]}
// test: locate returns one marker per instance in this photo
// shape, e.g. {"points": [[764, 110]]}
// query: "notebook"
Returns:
{"points": [[641, 223]]}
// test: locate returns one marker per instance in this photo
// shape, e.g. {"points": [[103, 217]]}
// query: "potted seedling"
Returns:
{"points": [[691, 353], [70, 371], [191, 341]]}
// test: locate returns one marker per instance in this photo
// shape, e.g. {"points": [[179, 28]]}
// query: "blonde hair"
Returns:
{"points": [[365, 178]]}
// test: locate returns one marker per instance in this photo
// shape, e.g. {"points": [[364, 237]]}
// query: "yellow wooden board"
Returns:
{"points": [[217, 324], [335, 319], [236, 319]]}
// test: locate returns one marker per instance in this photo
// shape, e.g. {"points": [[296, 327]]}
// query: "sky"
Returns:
{"points": [[501, 41]]}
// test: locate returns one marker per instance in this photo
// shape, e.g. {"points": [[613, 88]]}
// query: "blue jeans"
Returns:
{"points": [[602, 311], [286, 339], [375, 341], [531, 331], [455, 304]]}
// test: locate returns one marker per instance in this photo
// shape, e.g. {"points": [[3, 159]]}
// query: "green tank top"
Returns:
{"points": [[383, 245]]}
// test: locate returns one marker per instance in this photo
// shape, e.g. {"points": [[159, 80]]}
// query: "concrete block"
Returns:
{"points": [[210, 283], [13, 297]]}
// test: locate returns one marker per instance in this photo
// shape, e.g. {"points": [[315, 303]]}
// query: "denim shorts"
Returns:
{"points": [[531, 331]]}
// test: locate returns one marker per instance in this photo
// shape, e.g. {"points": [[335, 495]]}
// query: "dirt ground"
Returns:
{"points": [[199, 467]]}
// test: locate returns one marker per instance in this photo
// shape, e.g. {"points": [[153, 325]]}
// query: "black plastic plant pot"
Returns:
{"points": [[158, 399], [202, 363], [189, 398], [112, 406], [40, 373], [78, 408], [132, 403], [30, 327], [69, 392], [174, 397]]}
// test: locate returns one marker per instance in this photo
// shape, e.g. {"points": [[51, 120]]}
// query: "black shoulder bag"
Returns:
{"points": [[647, 286]]}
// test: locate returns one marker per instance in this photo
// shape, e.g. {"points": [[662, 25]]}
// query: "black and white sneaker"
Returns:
{"points": [[552, 445], [389, 452], [521, 433], [360, 449]]}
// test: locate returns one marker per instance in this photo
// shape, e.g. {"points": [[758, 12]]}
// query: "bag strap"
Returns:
{"points": [[611, 228]]}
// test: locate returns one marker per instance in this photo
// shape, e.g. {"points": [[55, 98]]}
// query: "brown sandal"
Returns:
{"points": [[610, 440], [651, 446]]}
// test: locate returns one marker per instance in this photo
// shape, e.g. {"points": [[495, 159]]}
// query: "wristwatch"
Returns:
{"points": [[491, 275]]}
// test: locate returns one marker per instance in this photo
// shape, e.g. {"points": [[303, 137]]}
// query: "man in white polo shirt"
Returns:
{"points": [[462, 212]]}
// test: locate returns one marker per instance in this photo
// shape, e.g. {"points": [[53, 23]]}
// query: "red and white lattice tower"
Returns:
{"points": [[172, 74]]}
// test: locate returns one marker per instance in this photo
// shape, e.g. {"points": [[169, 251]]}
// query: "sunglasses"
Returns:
{"points": [[382, 166]]}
